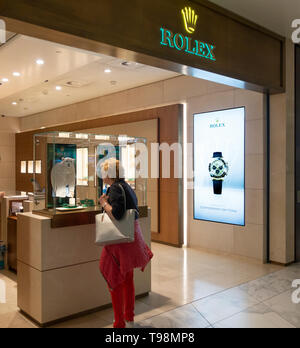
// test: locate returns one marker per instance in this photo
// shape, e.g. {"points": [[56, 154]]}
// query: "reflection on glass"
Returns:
{"points": [[38, 167], [64, 135], [30, 167], [128, 162], [83, 167], [82, 136], [23, 167]]}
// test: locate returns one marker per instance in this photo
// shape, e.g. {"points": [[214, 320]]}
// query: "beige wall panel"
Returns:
{"points": [[8, 128], [153, 199], [249, 240]]}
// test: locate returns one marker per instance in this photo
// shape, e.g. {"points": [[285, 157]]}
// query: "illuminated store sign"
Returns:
{"points": [[219, 164], [190, 20], [185, 43]]}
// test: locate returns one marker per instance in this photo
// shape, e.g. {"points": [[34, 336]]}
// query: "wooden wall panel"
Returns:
{"points": [[170, 201]]}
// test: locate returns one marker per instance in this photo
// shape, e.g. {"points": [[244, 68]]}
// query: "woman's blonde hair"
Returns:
{"points": [[112, 169]]}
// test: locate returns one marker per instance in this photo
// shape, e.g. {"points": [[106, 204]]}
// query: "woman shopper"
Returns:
{"points": [[117, 262]]}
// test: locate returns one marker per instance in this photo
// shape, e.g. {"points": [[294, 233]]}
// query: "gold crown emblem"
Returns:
{"points": [[190, 19]]}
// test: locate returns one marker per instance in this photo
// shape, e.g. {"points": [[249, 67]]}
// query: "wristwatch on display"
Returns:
{"points": [[218, 170]]}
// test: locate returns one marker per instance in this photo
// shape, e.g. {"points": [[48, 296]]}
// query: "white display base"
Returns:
{"points": [[70, 209]]}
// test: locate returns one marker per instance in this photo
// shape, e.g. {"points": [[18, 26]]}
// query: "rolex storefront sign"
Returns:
{"points": [[185, 42]]}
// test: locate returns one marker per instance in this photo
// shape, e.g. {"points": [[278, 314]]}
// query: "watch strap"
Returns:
{"points": [[218, 186], [218, 155]]}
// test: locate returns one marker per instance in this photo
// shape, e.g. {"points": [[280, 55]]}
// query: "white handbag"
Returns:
{"points": [[111, 231]]}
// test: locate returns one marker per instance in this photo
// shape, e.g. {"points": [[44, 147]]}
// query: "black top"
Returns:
{"points": [[116, 199]]}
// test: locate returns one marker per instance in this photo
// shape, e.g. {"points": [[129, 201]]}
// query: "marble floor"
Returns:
{"points": [[194, 289]]}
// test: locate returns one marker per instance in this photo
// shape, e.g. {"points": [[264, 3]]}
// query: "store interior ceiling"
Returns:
{"points": [[37, 76], [275, 15]]}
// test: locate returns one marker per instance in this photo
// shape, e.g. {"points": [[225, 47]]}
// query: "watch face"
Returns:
{"points": [[218, 169]]}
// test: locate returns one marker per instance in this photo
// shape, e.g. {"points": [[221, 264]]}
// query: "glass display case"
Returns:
{"points": [[67, 171]]}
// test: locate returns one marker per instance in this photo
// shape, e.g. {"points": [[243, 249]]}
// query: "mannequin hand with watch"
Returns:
{"points": [[218, 170]]}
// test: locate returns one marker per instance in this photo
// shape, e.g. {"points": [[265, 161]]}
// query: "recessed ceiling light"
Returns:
{"points": [[16, 74], [58, 88], [107, 71], [5, 80], [40, 62], [14, 103], [43, 127]]}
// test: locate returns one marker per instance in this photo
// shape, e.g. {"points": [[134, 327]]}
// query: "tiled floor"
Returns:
{"points": [[195, 289]]}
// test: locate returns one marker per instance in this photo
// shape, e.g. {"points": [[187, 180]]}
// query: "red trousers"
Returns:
{"points": [[123, 300]]}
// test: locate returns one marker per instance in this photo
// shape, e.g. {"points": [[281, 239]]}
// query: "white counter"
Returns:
{"points": [[58, 269]]}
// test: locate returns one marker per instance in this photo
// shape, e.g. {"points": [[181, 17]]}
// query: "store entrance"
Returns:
{"points": [[297, 78], [82, 96]]}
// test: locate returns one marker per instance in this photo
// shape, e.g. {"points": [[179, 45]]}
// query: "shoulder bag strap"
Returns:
{"points": [[124, 195]]}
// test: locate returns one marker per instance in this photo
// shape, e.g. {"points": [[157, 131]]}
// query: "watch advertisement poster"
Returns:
{"points": [[219, 166]]}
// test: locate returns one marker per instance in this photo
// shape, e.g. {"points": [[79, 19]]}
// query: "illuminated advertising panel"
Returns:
{"points": [[219, 165]]}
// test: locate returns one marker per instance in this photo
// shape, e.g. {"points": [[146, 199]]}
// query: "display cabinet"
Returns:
{"points": [[69, 175]]}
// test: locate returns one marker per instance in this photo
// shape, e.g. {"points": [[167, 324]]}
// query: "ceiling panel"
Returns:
{"points": [[80, 76], [275, 15]]}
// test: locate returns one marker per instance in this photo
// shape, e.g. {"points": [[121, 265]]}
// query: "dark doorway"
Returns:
{"points": [[297, 153]]}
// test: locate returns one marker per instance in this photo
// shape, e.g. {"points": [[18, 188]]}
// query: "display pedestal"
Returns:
{"points": [[58, 270]]}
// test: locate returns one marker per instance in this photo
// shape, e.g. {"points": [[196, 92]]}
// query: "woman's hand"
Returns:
{"points": [[103, 200], [106, 206]]}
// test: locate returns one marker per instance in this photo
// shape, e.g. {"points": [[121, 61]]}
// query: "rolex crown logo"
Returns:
{"points": [[190, 20]]}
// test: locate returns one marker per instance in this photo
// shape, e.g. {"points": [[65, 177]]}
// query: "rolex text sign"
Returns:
{"points": [[186, 44]]}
